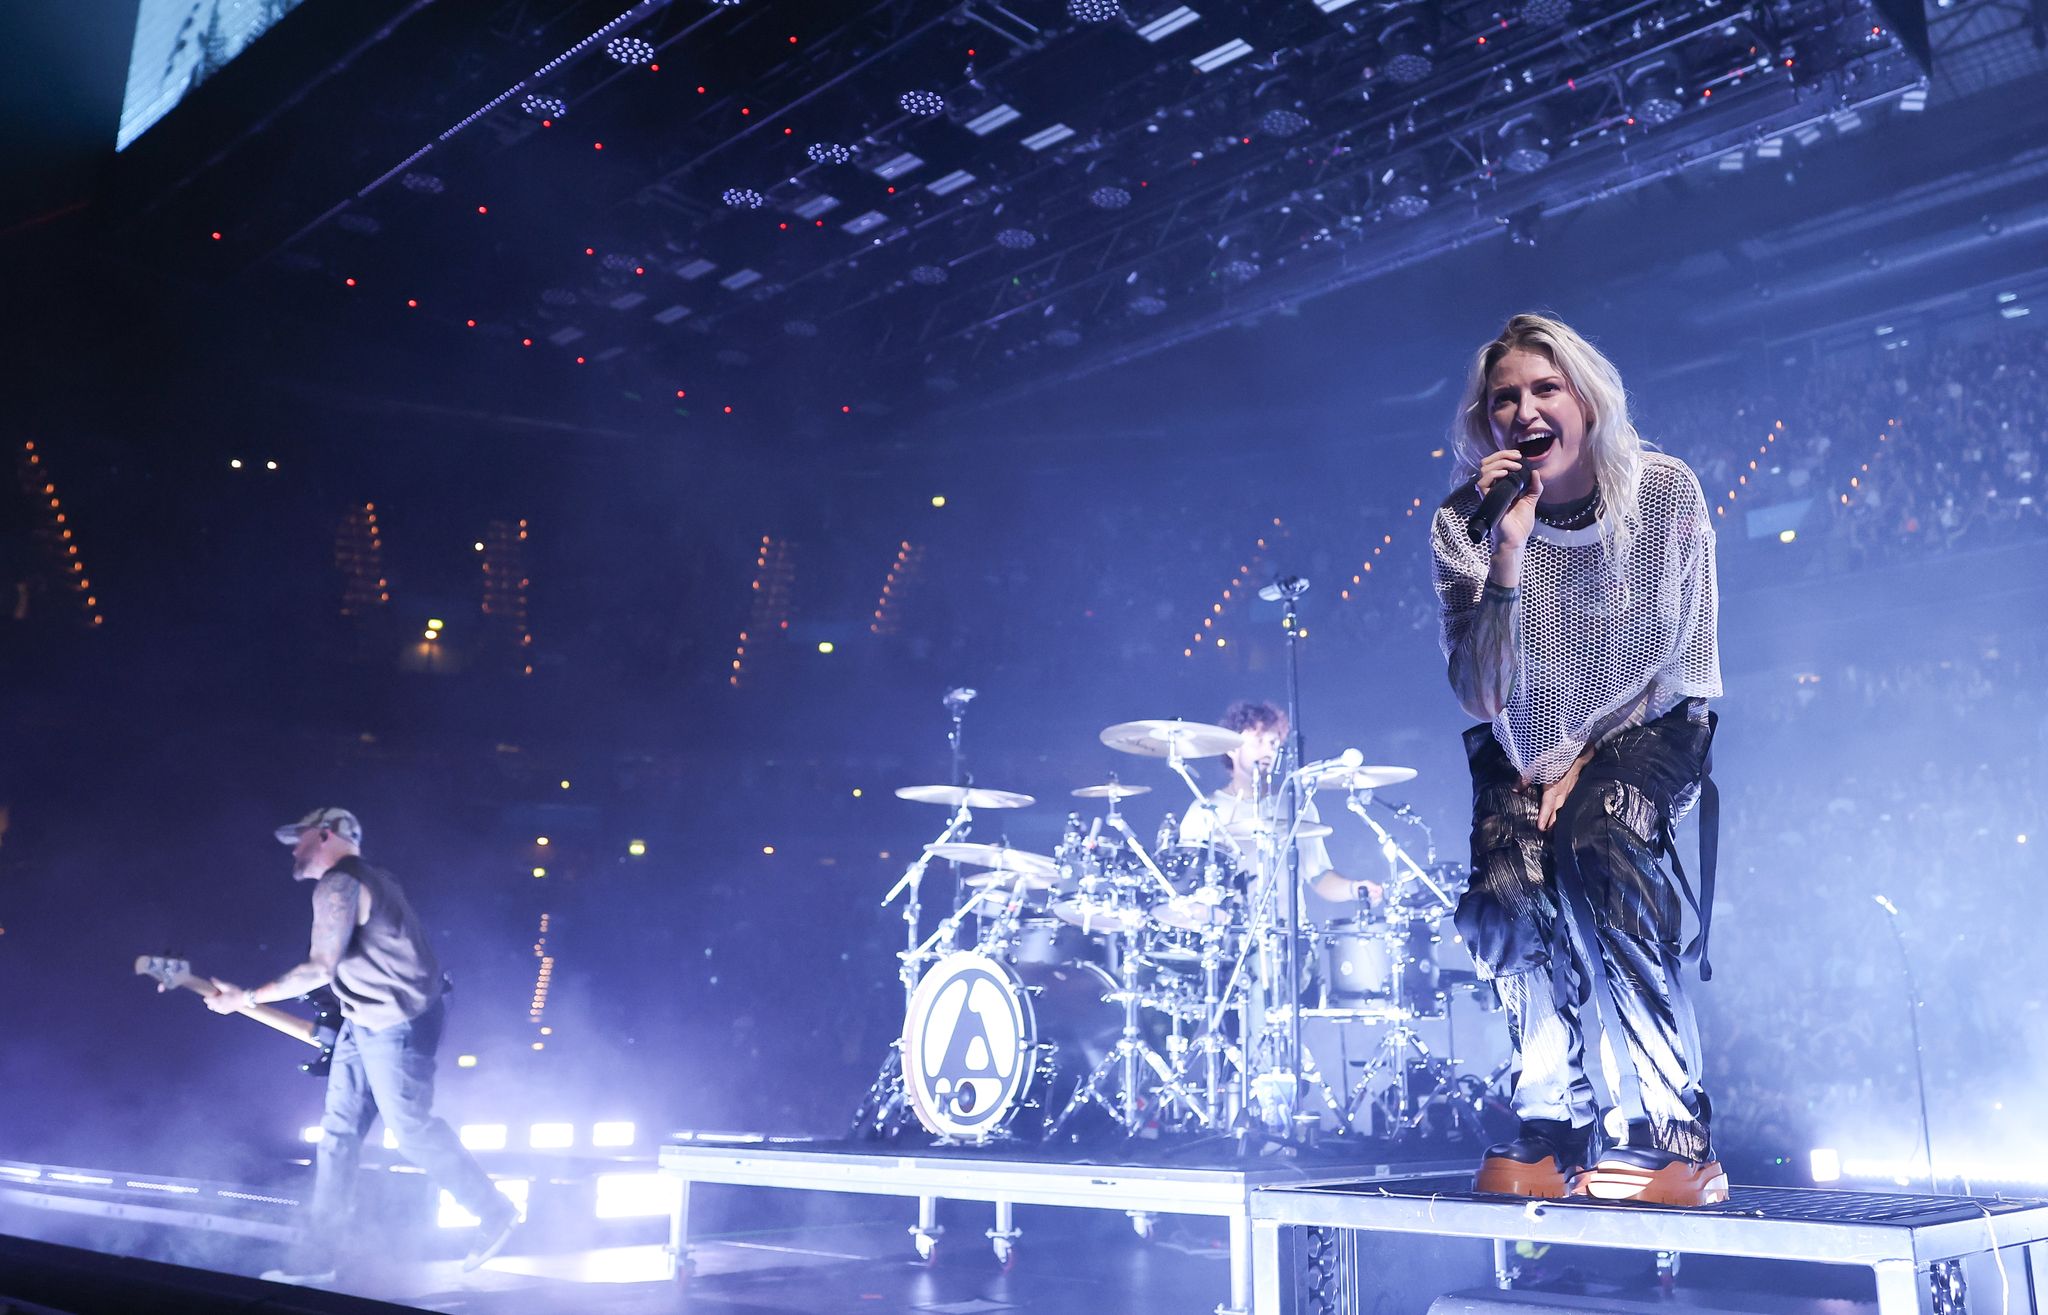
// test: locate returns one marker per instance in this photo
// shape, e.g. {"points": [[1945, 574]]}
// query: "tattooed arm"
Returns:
{"points": [[335, 900]]}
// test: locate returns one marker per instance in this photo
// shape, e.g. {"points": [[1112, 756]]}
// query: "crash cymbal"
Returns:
{"points": [[1251, 828], [1158, 739], [1111, 790], [1002, 858], [1340, 777], [1031, 881], [952, 796]]}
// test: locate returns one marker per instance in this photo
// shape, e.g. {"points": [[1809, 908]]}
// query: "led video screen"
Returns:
{"points": [[180, 44]]}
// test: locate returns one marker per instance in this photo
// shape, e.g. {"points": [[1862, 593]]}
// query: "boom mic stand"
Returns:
{"points": [[1913, 1007]]}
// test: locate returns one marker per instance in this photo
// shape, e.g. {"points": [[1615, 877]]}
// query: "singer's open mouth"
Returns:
{"points": [[1533, 447]]}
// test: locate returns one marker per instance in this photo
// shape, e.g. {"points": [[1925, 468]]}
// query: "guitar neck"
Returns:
{"points": [[291, 1025]]}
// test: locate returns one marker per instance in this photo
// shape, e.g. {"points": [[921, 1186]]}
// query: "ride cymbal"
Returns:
{"points": [[1161, 739], [952, 796], [1000, 858]]}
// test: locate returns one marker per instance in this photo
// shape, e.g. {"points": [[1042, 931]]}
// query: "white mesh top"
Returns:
{"points": [[1581, 651]]}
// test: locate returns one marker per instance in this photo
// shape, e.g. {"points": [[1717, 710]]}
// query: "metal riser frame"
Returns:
{"points": [[1914, 1253], [1138, 1191]]}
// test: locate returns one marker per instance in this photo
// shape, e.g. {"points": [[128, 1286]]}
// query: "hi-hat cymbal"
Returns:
{"points": [[1340, 777], [1002, 858], [952, 796], [1160, 739], [1251, 828], [1111, 790]]}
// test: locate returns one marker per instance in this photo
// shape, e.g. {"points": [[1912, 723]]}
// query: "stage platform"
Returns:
{"points": [[1322, 1247], [1147, 1181]]}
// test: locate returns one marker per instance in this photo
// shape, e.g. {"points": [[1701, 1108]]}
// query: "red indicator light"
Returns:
{"points": [[654, 68], [700, 91], [639, 269], [470, 323], [526, 342], [350, 282], [892, 191], [783, 227], [579, 360], [590, 251], [216, 237], [597, 146], [728, 410], [845, 410], [1482, 41], [792, 41], [483, 210], [819, 222], [412, 304], [745, 110], [681, 393]]}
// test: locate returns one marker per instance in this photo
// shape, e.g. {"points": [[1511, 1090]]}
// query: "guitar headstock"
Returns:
{"points": [[169, 973]]}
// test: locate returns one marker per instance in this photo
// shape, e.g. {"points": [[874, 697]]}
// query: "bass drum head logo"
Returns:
{"points": [[966, 1046]]}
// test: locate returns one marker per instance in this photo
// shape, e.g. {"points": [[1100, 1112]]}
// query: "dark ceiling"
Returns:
{"points": [[901, 209]]}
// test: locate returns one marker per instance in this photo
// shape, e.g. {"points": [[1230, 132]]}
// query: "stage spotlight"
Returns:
{"points": [[923, 103], [1109, 198], [1408, 50], [1407, 196], [1525, 142], [1094, 11], [425, 184], [551, 1136], [636, 1195], [743, 198], [540, 107], [313, 1135], [1825, 1164], [1240, 271], [629, 50], [1017, 239], [483, 1136], [1283, 123], [929, 275], [1147, 304], [452, 1215], [1655, 93], [828, 153], [612, 1134]]}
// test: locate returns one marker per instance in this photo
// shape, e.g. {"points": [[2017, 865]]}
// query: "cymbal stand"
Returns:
{"points": [[912, 879], [1125, 1065], [1397, 857]]}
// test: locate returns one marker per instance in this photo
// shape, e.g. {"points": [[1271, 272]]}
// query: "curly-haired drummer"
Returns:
{"points": [[1581, 629]]}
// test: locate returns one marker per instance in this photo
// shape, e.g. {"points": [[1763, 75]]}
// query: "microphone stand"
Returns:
{"points": [[1913, 1006], [955, 700], [1291, 588]]}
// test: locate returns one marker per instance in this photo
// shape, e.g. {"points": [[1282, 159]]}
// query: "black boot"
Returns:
{"points": [[1540, 1161], [1638, 1169]]}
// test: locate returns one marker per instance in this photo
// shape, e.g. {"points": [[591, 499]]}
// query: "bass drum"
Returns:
{"points": [[993, 1050]]}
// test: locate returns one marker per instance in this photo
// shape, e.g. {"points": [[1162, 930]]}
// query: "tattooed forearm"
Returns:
{"points": [[334, 918], [1483, 662]]}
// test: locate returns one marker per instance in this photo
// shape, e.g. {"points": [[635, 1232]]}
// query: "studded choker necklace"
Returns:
{"points": [[1574, 515]]}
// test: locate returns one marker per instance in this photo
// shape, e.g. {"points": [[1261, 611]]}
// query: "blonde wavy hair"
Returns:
{"points": [[1612, 443]]}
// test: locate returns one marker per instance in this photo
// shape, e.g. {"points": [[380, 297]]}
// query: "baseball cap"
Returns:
{"points": [[338, 820]]}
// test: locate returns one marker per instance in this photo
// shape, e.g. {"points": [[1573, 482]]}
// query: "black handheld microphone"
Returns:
{"points": [[1495, 504]]}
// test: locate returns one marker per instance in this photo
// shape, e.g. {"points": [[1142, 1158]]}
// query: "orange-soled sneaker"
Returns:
{"points": [[1653, 1177], [1539, 1162]]}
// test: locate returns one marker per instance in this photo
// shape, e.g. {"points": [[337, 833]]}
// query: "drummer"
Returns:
{"points": [[1251, 795]]}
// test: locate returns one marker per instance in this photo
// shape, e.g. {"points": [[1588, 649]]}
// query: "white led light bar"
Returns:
{"points": [[1168, 23], [817, 205], [696, 269], [983, 124], [1215, 59], [1045, 137], [739, 278], [627, 300], [952, 182], [671, 315], [898, 165], [862, 223]]}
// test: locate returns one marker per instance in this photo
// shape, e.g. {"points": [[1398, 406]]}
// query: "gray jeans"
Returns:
{"points": [[390, 1071]]}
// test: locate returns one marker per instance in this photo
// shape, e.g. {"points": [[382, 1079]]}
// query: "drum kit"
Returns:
{"points": [[1119, 988]]}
